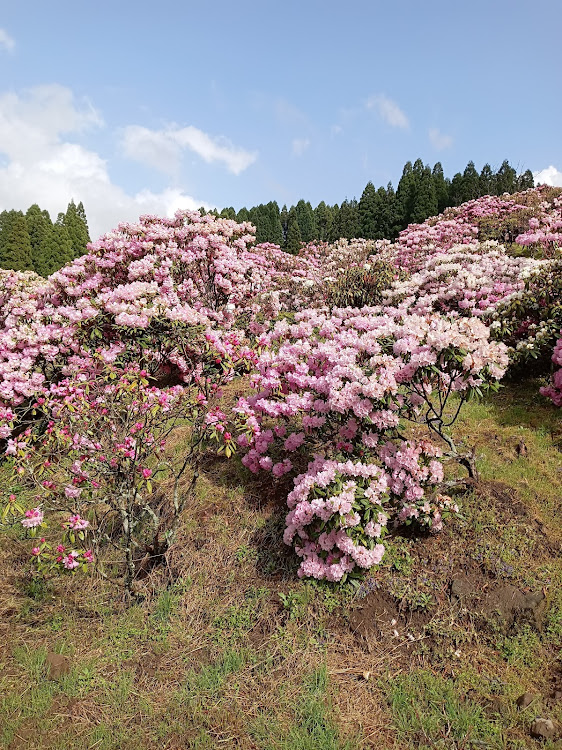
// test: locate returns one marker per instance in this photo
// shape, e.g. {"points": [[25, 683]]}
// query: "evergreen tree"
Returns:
{"points": [[294, 238], [425, 198], [56, 248], [456, 193], [228, 213], [441, 186], [335, 228], [15, 244], [276, 230], [77, 230], [349, 219], [243, 215], [470, 183], [284, 218], [506, 179], [369, 212], [38, 224], [82, 215], [487, 181], [306, 220], [405, 196], [526, 180], [323, 216]]}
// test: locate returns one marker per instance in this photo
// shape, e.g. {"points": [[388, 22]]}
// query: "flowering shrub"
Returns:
{"points": [[466, 279], [529, 320], [105, 442], [554, 390], [361, 286], [338, 386]]}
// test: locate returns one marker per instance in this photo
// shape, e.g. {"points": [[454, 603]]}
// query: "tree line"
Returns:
{"points": [[380, 213], [32, 242]]}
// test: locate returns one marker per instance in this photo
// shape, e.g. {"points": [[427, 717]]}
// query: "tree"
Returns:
{"points": [[324, 218], [487, 181], [294, 238], [56, 248], [39, 225], [243, 215], [284, 218], [306, 220], [441, 186], [506, 179], [424, 203], [456, 189], [470, 183], [15, 244], [405, 196], [77, 230], [349, 219], [369, 212], [526, 180]]}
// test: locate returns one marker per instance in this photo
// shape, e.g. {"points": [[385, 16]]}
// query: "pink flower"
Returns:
{"points": [[77, 523], [88, 555], [35, 550], [147, 473], [70, 562], [33, 518]]}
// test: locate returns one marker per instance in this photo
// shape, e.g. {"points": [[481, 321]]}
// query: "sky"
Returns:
{"points": [[146, 107]]}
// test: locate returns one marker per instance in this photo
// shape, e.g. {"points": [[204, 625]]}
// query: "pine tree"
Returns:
{"points": [[82, 215], [441, 186], [456, 189], [470, 183], [228, 213], [284, 217], [38, 224], [487, 181], [349, 219], [294, 238], [243, 215], [276, 235], [306, 220], [15, 244], [369, 213], [324, 216], [56, 248], [506, 179], [425, 198], [77, 230], [526, 180], [335, 228], [405, 196]]}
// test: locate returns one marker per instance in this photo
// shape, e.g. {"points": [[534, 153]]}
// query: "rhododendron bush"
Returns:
{"points": [[338, 387], [103, 444]]}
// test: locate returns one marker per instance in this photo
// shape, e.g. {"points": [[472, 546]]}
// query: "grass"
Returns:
{"points": [[229, 649]]}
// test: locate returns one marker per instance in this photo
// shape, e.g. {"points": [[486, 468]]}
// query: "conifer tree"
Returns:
{"points": [[470, 183], [405, 196], [82, 215], [276, 232], [425, 199], [456, 189], [441, 187], [294, 238], [369, 212], [284, 218], [56, 248], [38, 224], [506, 179], [306, 220], [487, 181], [15, 244], [77, 230], [243, 215], [526, 180], [323, 216]]}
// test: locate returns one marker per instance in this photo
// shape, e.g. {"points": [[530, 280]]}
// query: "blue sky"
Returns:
{"points": [[144, 107]]}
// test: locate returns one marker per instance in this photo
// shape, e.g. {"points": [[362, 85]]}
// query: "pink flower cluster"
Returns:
{"points": [[554, 390]]}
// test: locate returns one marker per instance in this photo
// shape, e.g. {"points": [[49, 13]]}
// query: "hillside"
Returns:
{"points": [[440, 624]]}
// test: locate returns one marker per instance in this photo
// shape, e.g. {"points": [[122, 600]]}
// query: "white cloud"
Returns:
{"points": [[300, 145], [163, 149], [388, 110], [42, 165], [6, 41], [548, 176], [439, 140]]}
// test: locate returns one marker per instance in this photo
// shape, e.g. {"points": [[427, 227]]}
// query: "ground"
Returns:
{"points": [[227, 648]]}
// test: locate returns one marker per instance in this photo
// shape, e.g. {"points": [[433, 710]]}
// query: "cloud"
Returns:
{"points": [[6, 41], [548, 176], [388, 110], [439, 140], [163, 149], [43, 164], [300, 145]]}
